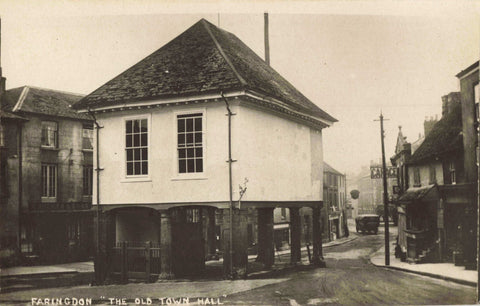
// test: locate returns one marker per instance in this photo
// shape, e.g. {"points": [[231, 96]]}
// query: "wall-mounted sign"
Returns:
{"points": [[376, 172]]}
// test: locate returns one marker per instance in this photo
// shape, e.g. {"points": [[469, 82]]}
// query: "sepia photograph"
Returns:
{"points": [[239, 152]]}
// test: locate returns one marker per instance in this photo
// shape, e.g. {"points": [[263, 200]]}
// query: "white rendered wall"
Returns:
{"points": [[282, 160]]}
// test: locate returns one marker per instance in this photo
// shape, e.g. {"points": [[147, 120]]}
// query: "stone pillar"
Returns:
{"points": [[295, 235], [165, 245], [266, 250], [317, 237], [240, 244], [100, 239], [209, 232]]}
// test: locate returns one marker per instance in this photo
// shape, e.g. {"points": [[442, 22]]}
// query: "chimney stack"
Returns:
{"points": [[267, 44], [449, 101]]}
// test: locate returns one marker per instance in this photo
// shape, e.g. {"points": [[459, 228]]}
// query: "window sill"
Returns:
{"points": [[49, 148], [87, 150], [192, 176], [48, 200], [136, 179]]}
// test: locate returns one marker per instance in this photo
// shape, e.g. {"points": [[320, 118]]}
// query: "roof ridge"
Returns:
{"points": [[21, 99], [220, 49], [56, 90]]}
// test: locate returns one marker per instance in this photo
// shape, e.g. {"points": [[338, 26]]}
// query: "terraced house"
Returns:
{"points": [[167, 176], [46, 177], [437, 201]]}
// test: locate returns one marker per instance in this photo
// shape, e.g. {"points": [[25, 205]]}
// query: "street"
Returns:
{"points": [[348, 279]]}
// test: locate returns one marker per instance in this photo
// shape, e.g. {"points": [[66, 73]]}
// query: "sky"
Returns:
{"points": [[354, 59]]}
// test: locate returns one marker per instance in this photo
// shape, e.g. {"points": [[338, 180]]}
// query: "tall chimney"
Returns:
{"points": [[267, 44]]}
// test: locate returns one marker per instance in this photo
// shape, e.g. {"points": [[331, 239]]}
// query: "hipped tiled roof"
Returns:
{"points": [[28, 99], [202, 60], [445, 138]]}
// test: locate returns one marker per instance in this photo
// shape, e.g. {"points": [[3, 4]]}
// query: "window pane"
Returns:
{"points": [[129, 141], [189, 139], [129, 168], [199, 165], [198, 138], [190, 165], [144, 167], [198, 152], [181, 140], [136, 126], [44, 181], [181, 125], [137, 168], [181, 153], [190, 125], [143, 138], [182, 166], [129, 154], [198, 124], [143, 127], [190, 153], [136, 140], [144, 154], [136, 154], [129, 126]]}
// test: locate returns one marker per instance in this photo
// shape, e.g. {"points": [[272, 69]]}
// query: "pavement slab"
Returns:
{"points": [[447, 271]]}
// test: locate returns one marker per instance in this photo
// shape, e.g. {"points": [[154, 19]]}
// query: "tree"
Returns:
{"points": [[355, 193]]}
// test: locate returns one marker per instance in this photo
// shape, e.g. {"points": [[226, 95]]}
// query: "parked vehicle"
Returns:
{"points": [[367, 223]]}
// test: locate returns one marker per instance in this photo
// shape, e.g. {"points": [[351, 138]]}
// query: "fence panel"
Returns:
{"points": [[136, 259]]}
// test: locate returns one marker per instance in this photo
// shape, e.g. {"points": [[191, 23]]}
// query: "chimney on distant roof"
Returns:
{"points": [[267, 44], [449, 101], [428, 125]]}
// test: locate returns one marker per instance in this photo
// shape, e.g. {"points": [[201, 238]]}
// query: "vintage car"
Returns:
{"points": [[367, 223]]}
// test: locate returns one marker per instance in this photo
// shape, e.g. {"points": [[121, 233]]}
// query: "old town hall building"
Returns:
{"points": [[166, 177]]}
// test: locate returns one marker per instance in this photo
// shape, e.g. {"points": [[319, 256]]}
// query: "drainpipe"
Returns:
{"points": [[97, 170], [230, 161]]}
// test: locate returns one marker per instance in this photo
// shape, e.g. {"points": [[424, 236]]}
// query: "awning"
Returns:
{"points": [[414, 194]]}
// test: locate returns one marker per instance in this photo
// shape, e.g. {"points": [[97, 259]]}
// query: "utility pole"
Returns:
{"points": [[385, 193]]}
